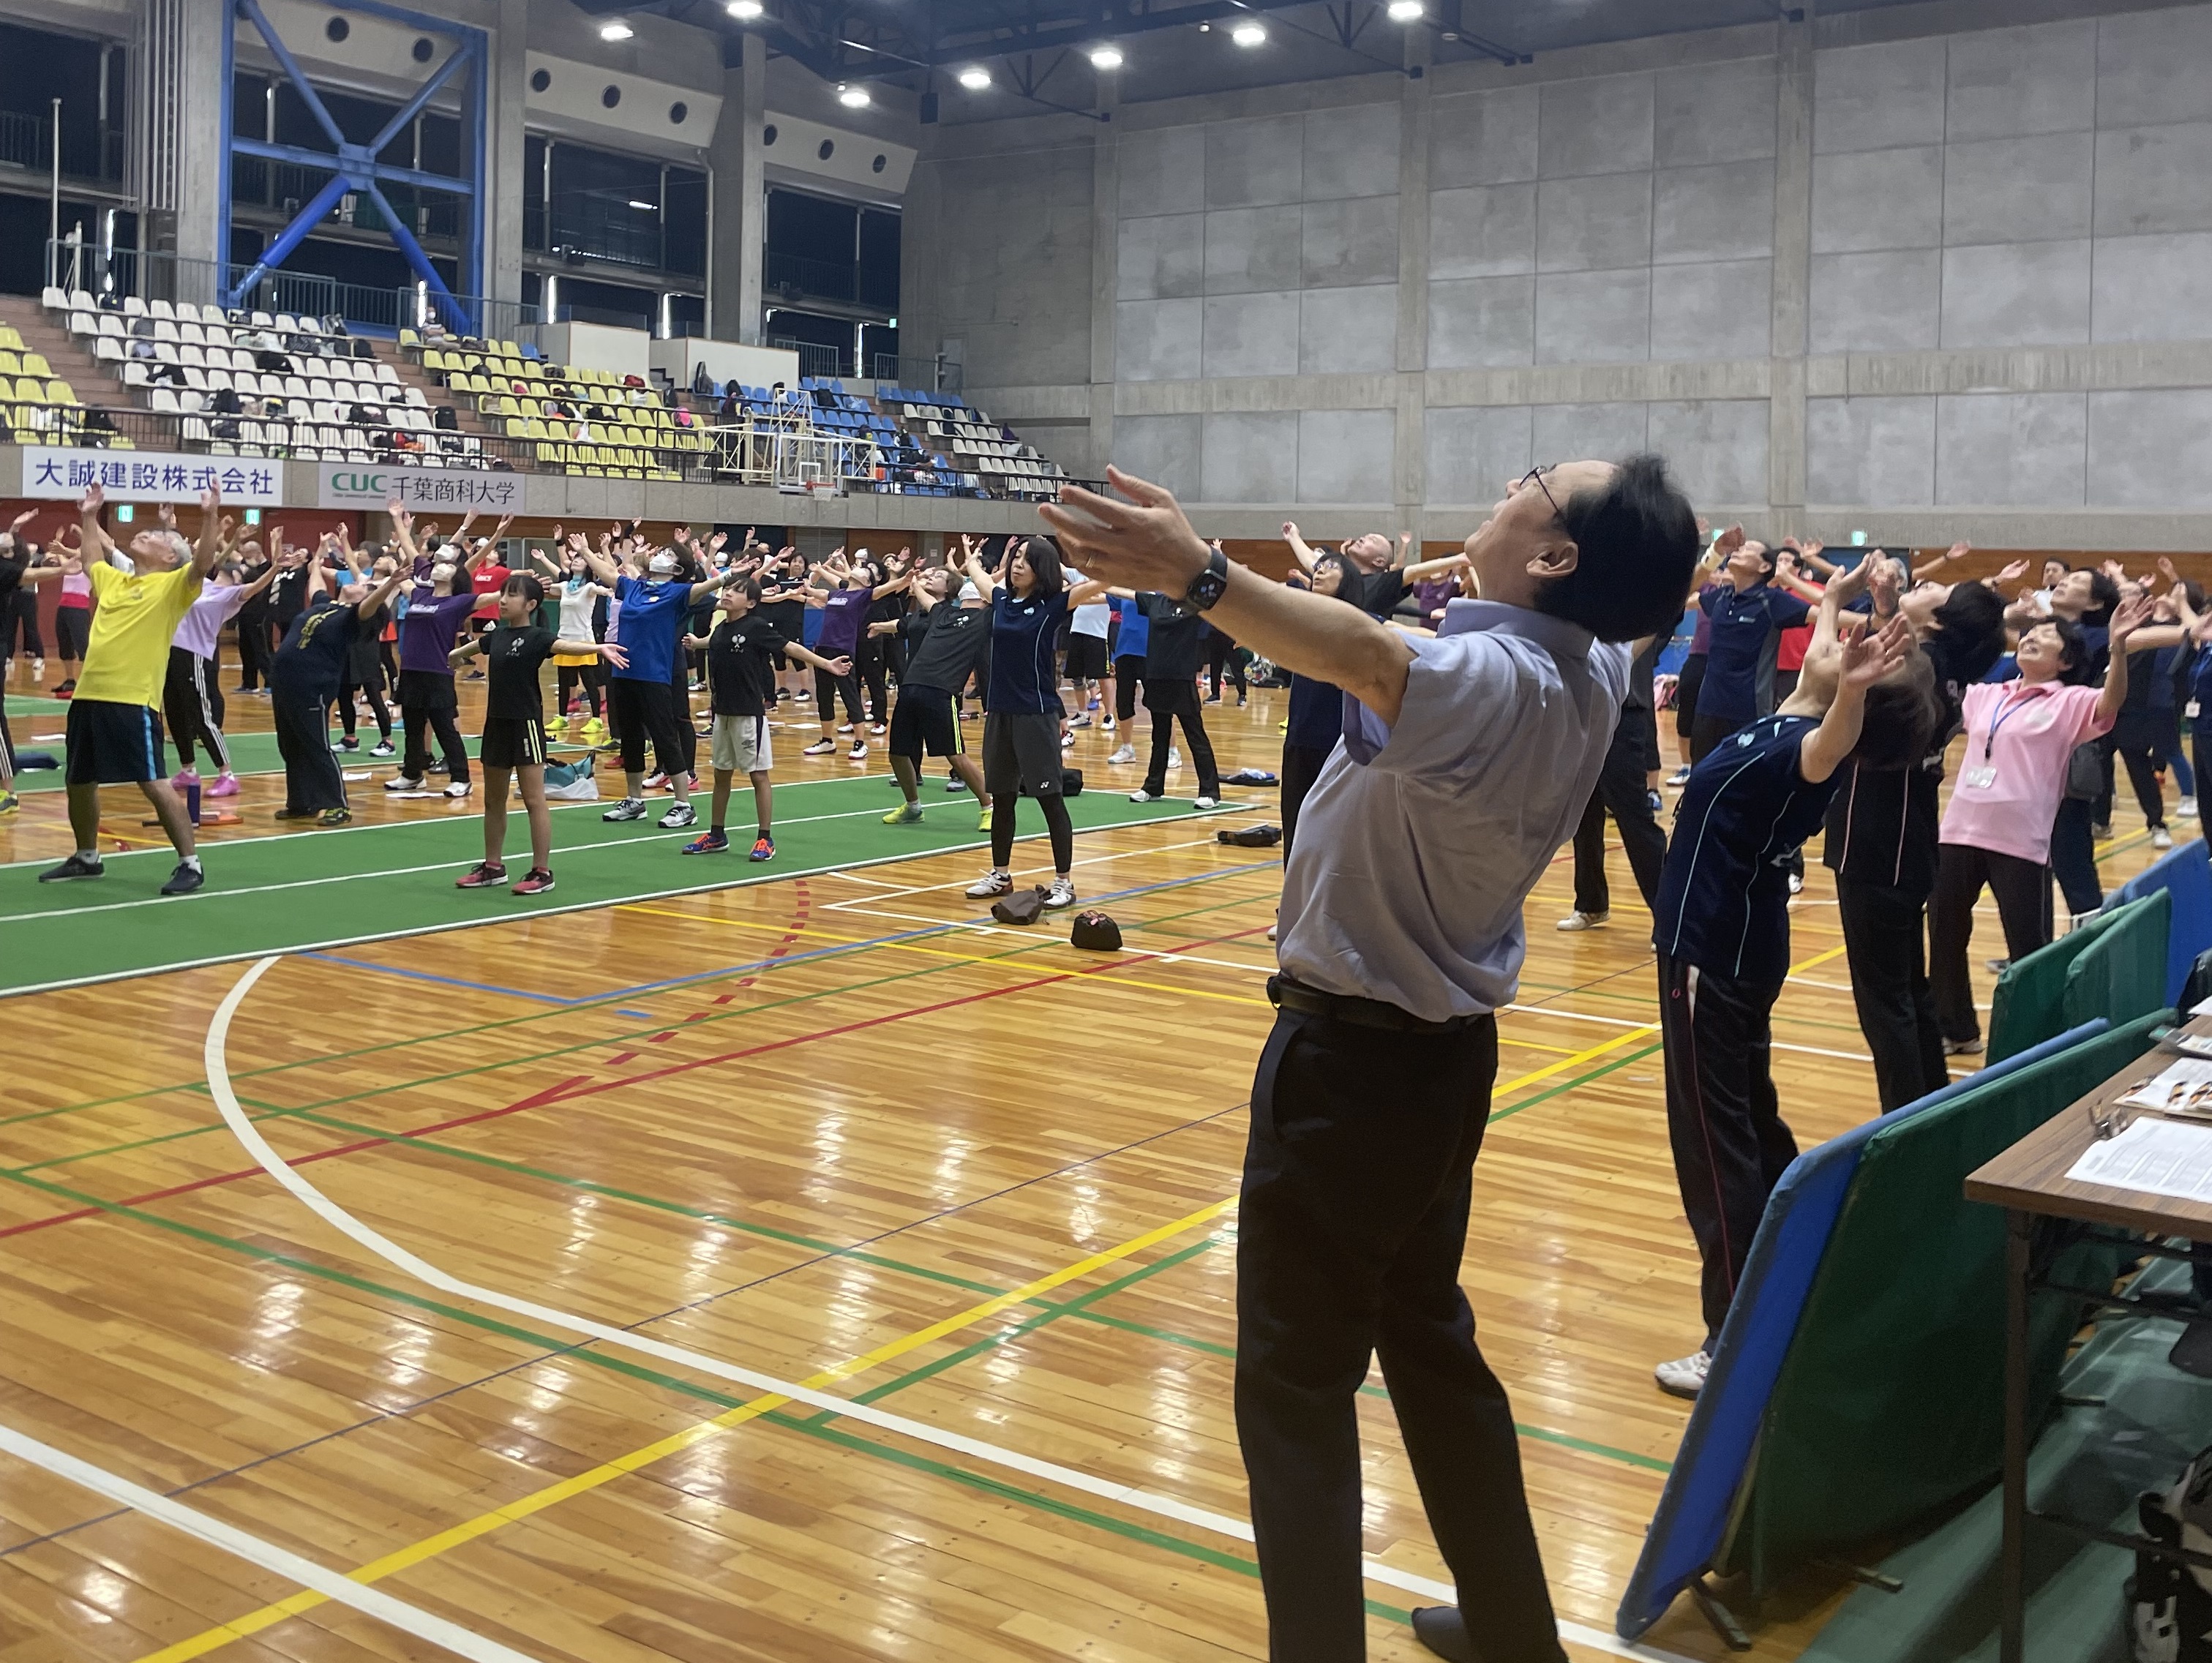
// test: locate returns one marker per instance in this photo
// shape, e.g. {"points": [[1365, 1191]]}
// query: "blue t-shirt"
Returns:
{"points": [[1136, 630], [1316, 718], [1725, 892], [1740, 654], [652, 617], [1024, 639]]}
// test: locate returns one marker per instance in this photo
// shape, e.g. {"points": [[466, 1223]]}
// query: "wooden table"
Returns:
{"points": [[2029, 1181]]}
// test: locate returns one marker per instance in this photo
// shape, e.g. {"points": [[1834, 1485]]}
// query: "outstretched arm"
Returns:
{"points": [[1868, 656]]}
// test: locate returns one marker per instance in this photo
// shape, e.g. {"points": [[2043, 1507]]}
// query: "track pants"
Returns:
{"points": [[2022, 890], [312, 778], [1885, 944], [1621, 791], [1723, 1118], [192, 705]]}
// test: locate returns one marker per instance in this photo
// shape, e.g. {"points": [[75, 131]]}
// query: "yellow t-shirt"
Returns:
{"points": [[133, 621]]}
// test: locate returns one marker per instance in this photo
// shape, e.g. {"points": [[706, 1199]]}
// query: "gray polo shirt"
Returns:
{"points": [[1420, 842]]}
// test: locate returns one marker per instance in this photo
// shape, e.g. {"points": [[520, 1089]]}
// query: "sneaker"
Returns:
{"points": [[349, 742], [330, 817], [1271, 933], [536, 880], [993, 883], [37, 670], [1079, 721], [1796, 884], [1062, 893], [859, 752], [679, 815], [2101, 833], [709, 843], [383, 747], [655, 781], [440, 766], [1685, 1377], [482, 875], [983, 819], [906, 814], [77, 866], [183, 881], [1581, 920], [1213, 698], [2161, 838], [183, 778], [1658, 803], [459, 788], [1997, 966], [1068, 741], [1109, 724], [1204, 802], [399, 782], [1681, 776], [876, 728], [1126, 754], [1093, 705], [1175, 757], [820, 748], [1240, 701], [1148, 797], [764, 848], [226, 785], [844, 727], [556, 725], [594, 726], [295, 814], [1962, 1047], [9, 802], [953, 782], [630, 808], [2185, 809]]}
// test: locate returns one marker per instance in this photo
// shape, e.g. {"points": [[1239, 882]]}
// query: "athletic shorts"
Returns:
{"points": [[1021, 754], [72, 631], [511, 742], [741, 745], [112, 744], [922, 719], [1129, 666], [1086, 658]]}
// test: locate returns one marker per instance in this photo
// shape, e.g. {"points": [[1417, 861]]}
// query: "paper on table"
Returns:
{"points": [[2183, 1086], [2157, 1157]]}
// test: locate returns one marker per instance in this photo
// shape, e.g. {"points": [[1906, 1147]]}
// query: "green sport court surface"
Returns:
{"points": [[314, 889]]}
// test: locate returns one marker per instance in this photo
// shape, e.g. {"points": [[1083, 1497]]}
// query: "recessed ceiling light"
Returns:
{"points": [[976, 79], [745, 11], [1106, 57], [616, 30], [1248, 35], [1405, 11], [853, 98]]}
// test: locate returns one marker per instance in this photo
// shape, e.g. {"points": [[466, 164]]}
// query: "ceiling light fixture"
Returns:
{"points": [[976, 80], [745, 11], [616, 30], [1248, 33], [853, 98], [1106, 57], [1405, 11], [649, 207]]}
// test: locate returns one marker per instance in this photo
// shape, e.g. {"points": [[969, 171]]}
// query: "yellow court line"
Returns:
{"points": [[431, 1546]]}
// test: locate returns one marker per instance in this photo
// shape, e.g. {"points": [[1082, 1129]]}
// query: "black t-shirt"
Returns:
{"points": [[288, 594], [1176, 645], [946, 645], [1883, 822], [741, 664], [310, 660], [13, 565], [1376, 593], [513, 658]]}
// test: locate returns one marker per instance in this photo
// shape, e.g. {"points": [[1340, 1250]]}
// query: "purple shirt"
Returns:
{"points": [[218, 603], [1702, 637], [842, 613], [433, 622]]}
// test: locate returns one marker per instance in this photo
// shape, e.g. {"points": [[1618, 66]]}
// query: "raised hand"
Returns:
{"points": [[399, 517], [2014, 572], [165, 517], [2128, 617], [1728, 541], [841, 668], [1868, 654], [1145, 543], [1882, 585], [613, 654]]}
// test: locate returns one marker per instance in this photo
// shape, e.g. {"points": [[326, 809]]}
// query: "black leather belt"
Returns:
{"points": [[1361, 1013]]}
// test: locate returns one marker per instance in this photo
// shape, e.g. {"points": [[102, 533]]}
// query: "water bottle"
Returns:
{"points": [[192, 800]]}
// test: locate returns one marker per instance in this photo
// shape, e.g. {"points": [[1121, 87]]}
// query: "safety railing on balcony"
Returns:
{"points": [[824, 363], [27, 140]]}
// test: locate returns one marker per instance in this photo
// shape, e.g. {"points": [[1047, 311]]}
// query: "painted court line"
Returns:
{"points": [[1166, 1507], [280, 1561]]}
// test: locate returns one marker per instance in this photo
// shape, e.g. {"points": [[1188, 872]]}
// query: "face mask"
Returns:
{"points": [[443, 574], [662, 566]]}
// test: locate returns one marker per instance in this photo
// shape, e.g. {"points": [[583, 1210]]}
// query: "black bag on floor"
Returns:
{"points": [[1071, 782], [1022, 907], [2169, 1604], [1095, 933], [1251, 837]]}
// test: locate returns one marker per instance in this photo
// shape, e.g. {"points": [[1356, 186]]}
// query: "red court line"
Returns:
{"points": [[575, 1087]]}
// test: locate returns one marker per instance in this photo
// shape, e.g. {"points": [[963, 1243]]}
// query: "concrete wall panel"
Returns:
{"points": [[1162, 172], [1724, 212], [1878, 199], [1250, 164], [1594, 223], [1714, 112], [1872, 98], [2016, 294], [1353, 239], [1157, 340], [1485, 231], [1576, 432], [1348, 330], [1250, 335], [2004, 83], [1344, 455], [1593, 317], [2152, 67], [2025, 449], [1475, 453], [1163, 449], [1248, 250], [1352, 152], [2152, 288], [1600, 125], [1723, 310], [1248, 456], [2154, 178], [1871, 451], [1884, 302], [2151, 450], [1482, 138], [1481, 323], [1717, 447], [1160, 258], [2018, 190]]}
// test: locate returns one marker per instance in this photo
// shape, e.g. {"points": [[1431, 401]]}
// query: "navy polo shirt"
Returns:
{"points": [[1746, 636], [1725, 892]]}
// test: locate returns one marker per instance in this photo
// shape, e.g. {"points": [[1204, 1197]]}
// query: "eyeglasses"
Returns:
{"points": [[1536, 476]]}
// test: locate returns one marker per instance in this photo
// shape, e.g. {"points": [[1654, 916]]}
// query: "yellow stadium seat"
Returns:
{"points": [[28, 392], [517, 427], [408, 337], [7, 363], [60, 392], [434, 358], [35, 363], [534, 428], [9, 339]]}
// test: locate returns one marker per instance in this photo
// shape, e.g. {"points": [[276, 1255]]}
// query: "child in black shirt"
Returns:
{"points": [[742, 655], [303, 678], [516, 648]]}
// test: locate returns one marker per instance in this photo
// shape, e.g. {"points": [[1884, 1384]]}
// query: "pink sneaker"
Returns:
{"points": [[225, 785], [184, 778]]}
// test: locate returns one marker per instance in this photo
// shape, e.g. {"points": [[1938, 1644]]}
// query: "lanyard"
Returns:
{"points": [[1999, 721]]}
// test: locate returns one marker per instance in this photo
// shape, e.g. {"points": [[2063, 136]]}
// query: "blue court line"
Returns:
{"points": [[640, 1016], [449, 982]]}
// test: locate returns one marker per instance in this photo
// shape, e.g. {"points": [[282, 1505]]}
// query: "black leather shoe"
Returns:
{"points": [[1443, 1631]]}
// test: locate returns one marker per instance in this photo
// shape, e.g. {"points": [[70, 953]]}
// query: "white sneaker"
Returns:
{"points": [[2185, 809], [1580, 920], [876, 728], [1175, 757], [403, 782], [991, 883], [655, 781], [1204, 802], [1062, 893], [37, 670], [1068, 741], [679, 814], [859, 752], [1126, 754], [630, 808], [844, 727], [1685, 1377], [1148, 797], [820, 748], [459, 788], [1796, 884], [2161, 838]]}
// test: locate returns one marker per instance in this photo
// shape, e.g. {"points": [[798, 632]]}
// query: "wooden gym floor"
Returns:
{"points": [[798, 1272]]}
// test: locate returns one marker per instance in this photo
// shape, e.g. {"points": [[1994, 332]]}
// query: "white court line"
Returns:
{"points": [[371, 1602], [1815, 1051], [1166, 1507], [857, 903]]}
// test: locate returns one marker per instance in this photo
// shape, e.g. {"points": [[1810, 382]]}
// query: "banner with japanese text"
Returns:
{"points": [[248, 482], [373, 487]]}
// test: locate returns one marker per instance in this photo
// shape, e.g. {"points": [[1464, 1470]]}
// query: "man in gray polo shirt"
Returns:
{"points": [[1465, 764]]}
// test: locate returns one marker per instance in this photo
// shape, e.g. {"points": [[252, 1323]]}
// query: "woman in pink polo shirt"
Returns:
{"points": [[1996, 831]]}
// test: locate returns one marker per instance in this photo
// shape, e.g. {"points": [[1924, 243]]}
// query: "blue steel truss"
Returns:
{"points": [[355, 166]]}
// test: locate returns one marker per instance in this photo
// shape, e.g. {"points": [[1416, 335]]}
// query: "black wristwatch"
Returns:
{"points": [[1209, 585]]}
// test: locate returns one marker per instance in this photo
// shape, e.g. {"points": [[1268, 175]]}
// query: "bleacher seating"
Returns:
{"points": [[574, 420], [36, 401]]}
